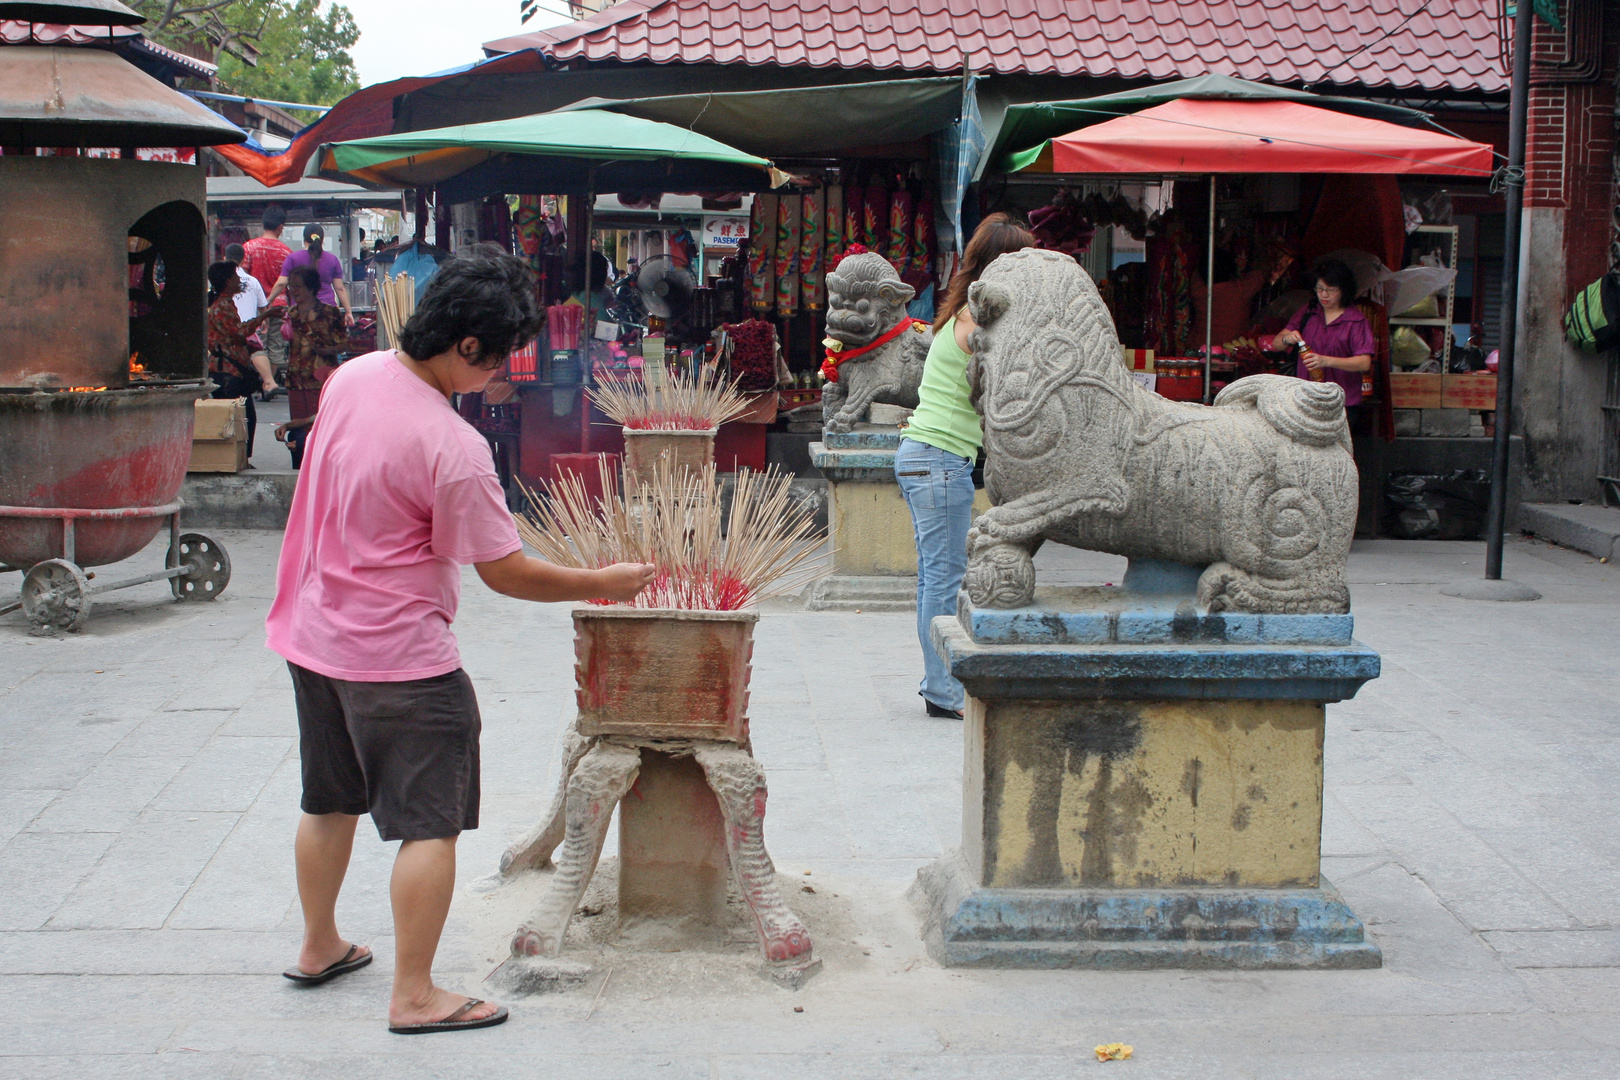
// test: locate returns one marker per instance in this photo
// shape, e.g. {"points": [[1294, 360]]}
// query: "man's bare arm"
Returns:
{"points": [[523, 577]]}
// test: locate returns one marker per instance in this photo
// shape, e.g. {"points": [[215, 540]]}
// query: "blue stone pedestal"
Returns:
{"points": [[1143, 784]]}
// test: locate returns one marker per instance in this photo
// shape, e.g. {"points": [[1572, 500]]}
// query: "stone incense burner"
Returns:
{"points": [[662, 734]]}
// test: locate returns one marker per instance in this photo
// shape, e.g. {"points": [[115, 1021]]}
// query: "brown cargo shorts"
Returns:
{"points": [[404, 752]]}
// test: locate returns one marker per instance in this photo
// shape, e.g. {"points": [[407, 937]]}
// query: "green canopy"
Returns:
{"points": [[615, 143], [805, 121], [1027, 128]]}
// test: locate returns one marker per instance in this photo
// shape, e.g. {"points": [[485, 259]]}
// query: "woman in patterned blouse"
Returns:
{"points": [[230, 353], [316, 335]]}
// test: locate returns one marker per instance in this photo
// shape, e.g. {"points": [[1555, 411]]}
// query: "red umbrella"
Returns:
{"points": [[1239, 136], [1224, 135]]}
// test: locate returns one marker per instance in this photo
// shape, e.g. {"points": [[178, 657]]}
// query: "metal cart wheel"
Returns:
{"points": [[209, 567], [55, 596]]}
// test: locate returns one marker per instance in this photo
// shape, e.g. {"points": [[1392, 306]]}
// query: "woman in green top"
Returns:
{"points": [[935, 464]]}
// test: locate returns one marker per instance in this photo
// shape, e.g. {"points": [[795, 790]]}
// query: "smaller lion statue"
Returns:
{"points": [[1259, 491], [875, 351]]}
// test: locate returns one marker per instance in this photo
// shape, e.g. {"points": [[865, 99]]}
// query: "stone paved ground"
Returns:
{"points": [[148, 789]]}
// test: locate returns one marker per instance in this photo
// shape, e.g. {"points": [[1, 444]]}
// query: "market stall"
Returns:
{"points": [[1243, 194], [530, 184], [876, 166], [1261, 138]]}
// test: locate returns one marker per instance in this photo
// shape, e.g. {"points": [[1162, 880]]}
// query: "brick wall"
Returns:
{"points": [[1570, 153]]}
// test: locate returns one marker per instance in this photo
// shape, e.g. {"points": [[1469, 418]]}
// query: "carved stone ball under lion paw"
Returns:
{"points": [[1001, 576]]}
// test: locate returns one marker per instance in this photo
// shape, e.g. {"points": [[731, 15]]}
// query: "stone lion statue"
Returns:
{"points": [[1260, 490], [865, 301]]}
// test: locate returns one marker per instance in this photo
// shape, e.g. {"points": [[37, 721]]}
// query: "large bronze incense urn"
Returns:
{"points": [[103, 342]]}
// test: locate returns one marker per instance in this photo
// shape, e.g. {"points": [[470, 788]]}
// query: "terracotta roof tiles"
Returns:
{"points": [[1453, 47]]}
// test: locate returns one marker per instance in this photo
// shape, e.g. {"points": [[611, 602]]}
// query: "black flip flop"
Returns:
{"points": [[450, 1023], [350, 962]]}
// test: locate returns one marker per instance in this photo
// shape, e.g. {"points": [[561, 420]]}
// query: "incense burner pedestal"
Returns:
{"points": [[662, 734], [1143, 786], [648, 450]]}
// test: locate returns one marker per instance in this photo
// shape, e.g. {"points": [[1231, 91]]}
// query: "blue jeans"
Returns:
{"points": [[938, 487]]}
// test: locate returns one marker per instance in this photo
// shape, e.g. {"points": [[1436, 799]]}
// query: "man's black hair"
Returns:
{"points": [[274, 218], [235, 253], [484, 294]]}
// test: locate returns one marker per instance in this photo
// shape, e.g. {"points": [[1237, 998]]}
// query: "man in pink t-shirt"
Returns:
{"points": [[397, 494]]}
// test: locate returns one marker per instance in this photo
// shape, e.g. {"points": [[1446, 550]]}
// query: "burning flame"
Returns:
{"points": [[137, 370]]}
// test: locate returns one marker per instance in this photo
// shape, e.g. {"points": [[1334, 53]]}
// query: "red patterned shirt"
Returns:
{"points": [[263, 260]]}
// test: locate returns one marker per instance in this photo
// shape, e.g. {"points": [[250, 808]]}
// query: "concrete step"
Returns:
{"points": [[863, 594], [251, 499], [1592, 529]]}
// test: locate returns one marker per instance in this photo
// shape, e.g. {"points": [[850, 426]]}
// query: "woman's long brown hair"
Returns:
{"points": [[996, 235]]}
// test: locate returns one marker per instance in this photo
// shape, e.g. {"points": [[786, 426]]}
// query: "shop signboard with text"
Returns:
{"points": [[724, 232]]}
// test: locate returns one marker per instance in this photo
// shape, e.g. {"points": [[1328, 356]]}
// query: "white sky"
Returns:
{"points": [[419, 37]]}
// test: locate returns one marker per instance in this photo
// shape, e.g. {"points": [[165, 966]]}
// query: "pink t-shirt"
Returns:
{"points": [[396, 493]]}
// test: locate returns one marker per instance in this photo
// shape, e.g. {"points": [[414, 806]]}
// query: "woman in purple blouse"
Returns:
{"points": [[330, 268], [1336, 341]]}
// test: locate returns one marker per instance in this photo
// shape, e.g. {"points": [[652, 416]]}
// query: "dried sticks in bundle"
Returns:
{"points": [[709, 557], [671, 401], [396, 302]]}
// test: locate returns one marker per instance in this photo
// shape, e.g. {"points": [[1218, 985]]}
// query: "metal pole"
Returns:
{"points": [[589, 217], [1513, 192], [1209, 290]]}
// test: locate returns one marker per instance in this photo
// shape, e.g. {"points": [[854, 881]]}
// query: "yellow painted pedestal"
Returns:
{"points": [[1143, 794], [1142, 786]]}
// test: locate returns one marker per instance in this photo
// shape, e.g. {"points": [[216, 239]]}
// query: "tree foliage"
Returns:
{"points": [[304, 55], [301, 49]]}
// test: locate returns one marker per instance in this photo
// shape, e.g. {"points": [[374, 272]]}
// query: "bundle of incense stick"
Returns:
{"points": [[663, 400], [396, 300], [709, 557]]}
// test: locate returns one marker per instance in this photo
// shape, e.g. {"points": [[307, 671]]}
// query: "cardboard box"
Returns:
{"points": [[1409, 391], [223, 420], [1471, 391], [1137, 359], [218, 457], [219, 436]]}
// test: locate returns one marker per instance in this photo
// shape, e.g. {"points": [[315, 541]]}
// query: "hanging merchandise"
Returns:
{"points": [[750, 348], [640, 200], [762, 252], [813, 234], [682, 248], [897, 245], [1063, 226], [788, 214], [875, 219], [835, 225], [1167, 322], [922, 236], [854, 211], [530, 221]]}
